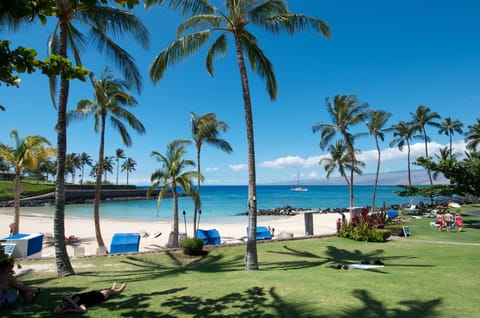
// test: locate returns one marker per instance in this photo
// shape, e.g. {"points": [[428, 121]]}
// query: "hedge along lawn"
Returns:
{"points": [[295, 280]]}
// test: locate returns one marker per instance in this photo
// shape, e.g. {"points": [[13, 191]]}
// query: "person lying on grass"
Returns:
{"points": [[11, 288], [78, 303]]}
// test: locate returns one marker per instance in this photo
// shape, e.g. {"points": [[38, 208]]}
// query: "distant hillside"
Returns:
{"points": [[419, 177]]}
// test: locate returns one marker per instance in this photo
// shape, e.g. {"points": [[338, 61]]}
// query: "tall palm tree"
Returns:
{"points": [[128, 166], [85, 160], [403, 133], [421, 118], [472, 136], [340, 160], [205, 128], [171, 176], [119, 154], [345, 112], [270, 15], [449, 127], [110, 102], [67, 38], [376, 127], [27, 153]]}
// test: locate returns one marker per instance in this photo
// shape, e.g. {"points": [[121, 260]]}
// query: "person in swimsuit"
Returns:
{"points": [[440, 221], [459, 222], [448, 217], [78, 303], [11, 288]]}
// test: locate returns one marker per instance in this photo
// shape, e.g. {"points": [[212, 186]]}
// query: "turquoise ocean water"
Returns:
{"points": [[226, 204]]}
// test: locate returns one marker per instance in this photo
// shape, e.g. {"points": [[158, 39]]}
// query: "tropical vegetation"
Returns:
{"points": [[173, 177], [27, 153], [205, 129], [111, 99], [195, 32]]}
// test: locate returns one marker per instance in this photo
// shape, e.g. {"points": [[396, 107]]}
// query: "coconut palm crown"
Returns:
{"points": [[195, 32]]}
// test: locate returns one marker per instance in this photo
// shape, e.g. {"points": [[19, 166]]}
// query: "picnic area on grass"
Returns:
{"points": [[427, 274]]}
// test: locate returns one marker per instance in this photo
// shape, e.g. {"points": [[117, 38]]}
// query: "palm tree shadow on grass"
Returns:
{"points": [[256, 302]]}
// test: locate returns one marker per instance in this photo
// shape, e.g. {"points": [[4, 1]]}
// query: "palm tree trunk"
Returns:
{"points": [[426, 156], [64, 267], [353, 160], [127, 176], [175, 242], [98, 187], [198, 194], [374, 195], [251, 262], [118, 168], [16, 217], [408, 162]]}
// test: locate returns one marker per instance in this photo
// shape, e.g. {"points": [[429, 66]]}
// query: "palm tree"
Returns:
{"points": [[205, 128], [110, 99], [85, 160], [119, 154], [171, 176], [421, 118], [472, 137], [340, 160], [48, 167], [345, 112], [376, 127], [403, 133], [270, 15], [28, 152], [72, 164], [449, 127], [67, 37], [128, 166], [107, 167]]}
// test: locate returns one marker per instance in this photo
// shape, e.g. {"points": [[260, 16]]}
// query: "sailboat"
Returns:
{"points": [[299, 188]]}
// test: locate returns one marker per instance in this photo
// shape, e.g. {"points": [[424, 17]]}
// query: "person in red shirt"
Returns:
{"points": [[459, 222]]}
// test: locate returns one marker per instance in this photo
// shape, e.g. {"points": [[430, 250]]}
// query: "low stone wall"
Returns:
{"points": [[73, 196]]}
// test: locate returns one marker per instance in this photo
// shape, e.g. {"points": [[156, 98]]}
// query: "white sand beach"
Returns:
{"points": [[83, 229]]}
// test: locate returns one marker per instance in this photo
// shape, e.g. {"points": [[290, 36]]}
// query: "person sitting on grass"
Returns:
{"points": [[11, 288], [78, 303]]}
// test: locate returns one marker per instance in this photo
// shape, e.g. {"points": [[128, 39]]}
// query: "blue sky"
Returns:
{"points": [[394, 55]]}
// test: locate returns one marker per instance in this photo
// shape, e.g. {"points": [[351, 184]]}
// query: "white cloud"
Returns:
{"points": [[291, 162], [239, 167], [210, 169]]}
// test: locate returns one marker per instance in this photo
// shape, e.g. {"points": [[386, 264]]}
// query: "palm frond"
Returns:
{"points": [[117, 22], [198, 23], [179, 50], [218, 48], [124, 61], [266, 10], [192, 7], [259, 63], [293, 22]]}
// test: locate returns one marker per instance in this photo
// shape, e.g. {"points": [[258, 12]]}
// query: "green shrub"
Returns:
{"points": [[362, 232], [192, 246]]}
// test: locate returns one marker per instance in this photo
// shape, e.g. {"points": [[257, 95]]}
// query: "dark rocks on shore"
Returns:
{"points": [[286, 210]]}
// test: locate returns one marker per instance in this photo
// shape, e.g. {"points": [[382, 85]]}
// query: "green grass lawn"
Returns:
{"points": [[29, 188], [420, 279]]}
